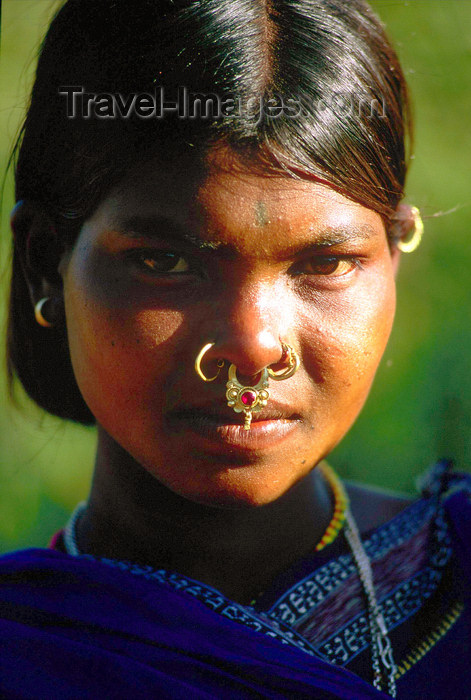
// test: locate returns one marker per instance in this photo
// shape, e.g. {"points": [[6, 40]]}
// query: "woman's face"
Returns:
{"points": [[181, 255]]}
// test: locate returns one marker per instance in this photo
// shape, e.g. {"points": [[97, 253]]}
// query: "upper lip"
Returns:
{"points": [[273, 411]]}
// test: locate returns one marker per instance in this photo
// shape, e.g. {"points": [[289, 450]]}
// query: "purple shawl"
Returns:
{"points": [[78, 628]]}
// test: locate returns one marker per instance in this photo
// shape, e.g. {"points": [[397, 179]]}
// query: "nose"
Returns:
{"points": [[250, 328]]}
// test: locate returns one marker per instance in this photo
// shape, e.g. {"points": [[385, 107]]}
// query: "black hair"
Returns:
{"points": [[315, 87]]}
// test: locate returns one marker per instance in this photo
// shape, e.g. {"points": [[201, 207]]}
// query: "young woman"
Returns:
{"points": [[208, 228]]}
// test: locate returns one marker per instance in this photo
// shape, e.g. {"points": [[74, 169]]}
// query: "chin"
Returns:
{"points": [[234, 491], [234, 501]]}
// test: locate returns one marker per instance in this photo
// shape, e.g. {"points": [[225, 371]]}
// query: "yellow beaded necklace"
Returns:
{"points": [[340, 506]]}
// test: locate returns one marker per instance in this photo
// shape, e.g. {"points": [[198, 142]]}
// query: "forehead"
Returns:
{"points": [[232, 201]]}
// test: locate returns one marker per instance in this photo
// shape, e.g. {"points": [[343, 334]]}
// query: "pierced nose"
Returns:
{"points": [[250, 399]]}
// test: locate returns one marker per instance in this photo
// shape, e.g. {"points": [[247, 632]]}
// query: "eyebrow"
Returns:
{"points": [[161, 228], [333, 235], [166, 229]]}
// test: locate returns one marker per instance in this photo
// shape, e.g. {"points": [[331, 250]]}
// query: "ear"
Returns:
{"points": [[395, 257], [402, 225], [39, 251]]}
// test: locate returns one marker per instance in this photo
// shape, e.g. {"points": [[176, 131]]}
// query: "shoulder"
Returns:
{"points": [[373, 506]]}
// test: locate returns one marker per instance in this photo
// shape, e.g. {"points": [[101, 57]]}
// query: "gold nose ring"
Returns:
{"points": [[250, 399], [199, 371], [291, 356], [247, 399]]}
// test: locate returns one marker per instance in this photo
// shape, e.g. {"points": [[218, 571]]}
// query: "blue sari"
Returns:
{"points": [[88, 628]]}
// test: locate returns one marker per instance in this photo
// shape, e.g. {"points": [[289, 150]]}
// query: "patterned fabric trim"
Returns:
{"points": [[216, 601], [298, 601], [353, 638], [401, 564], [404, 601]]}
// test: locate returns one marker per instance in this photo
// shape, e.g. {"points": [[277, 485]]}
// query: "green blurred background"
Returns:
{"points": [[420, 406]]}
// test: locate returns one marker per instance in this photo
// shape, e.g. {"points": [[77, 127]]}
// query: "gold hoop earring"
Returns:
{"points": [[38, 313], [251, 399], [412, 243], [199, 371]]}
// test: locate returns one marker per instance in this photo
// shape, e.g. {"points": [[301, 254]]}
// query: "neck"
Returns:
{"points": [[132, 516]]}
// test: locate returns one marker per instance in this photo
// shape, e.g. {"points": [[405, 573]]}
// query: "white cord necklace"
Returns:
{"points": [[381, 649]]}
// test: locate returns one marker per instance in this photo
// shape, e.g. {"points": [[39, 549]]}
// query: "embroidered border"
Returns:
{"points": [[401, 604], [406, 600], [298, 601], [216, 601]]}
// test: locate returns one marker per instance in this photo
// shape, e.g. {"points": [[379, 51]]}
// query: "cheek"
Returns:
{"points": [[121, 349], [346, 339]]}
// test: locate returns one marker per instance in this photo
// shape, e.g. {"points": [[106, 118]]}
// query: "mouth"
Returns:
{"points": [[219, 426]]}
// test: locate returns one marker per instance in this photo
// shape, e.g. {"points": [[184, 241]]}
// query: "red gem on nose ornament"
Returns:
{"points": [[248, 398], [252, 399]]}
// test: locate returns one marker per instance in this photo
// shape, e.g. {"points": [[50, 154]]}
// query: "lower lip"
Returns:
{"points": [[212, 433]]}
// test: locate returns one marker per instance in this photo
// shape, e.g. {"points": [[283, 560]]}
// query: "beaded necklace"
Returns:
{"points": [[340, 506], [384, 667]]}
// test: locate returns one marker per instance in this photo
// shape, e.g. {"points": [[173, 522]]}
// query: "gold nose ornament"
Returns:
{"points": [[250, 399]]}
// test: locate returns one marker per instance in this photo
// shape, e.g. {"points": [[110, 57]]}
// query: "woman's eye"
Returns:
{"points": [[163, 262], [328, 267]]}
